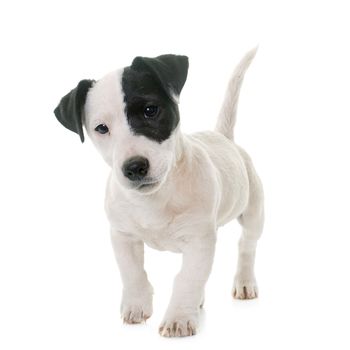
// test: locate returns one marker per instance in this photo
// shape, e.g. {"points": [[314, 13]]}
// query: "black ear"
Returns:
{"points": [[170, 70], [70, 109]]}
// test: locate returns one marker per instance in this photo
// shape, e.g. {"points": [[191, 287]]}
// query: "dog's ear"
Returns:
{"points": [[170, 70], [69, 112]]}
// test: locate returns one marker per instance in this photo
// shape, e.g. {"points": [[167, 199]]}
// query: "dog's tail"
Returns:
{"points": [[227, 116]]}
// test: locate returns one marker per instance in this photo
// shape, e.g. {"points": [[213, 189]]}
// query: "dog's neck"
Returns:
{"points": [[180, 142], [182, 155]]}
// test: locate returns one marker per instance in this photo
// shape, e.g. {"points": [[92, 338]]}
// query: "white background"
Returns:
{"points": [[60, 287]]}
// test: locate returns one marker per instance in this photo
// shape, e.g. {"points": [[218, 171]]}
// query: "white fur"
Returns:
{"points": [[204, 181], [227, 117]]}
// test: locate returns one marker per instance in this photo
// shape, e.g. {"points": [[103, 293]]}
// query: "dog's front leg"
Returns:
{"points": [[136, 305], [181, 318]]}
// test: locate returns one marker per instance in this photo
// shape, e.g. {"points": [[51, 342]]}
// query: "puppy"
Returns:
{"points": [[169, 190]]}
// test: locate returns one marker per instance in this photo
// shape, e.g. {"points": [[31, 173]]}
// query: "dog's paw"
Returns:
{"points": [[245, 289], [136, 309], [134, 314], [179, 325]]}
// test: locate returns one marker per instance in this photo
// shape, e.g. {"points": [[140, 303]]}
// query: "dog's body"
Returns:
{"points": [[168, 190], [188, 196]]}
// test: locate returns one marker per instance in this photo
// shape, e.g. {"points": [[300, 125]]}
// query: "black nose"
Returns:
{"points": [[135, 168]]}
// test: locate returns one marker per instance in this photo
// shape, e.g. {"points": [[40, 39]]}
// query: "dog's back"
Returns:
{"points": [[231, 173], [233, 165]]}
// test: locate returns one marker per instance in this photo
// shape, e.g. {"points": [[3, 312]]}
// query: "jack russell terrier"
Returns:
{"points": [[169, 190]]}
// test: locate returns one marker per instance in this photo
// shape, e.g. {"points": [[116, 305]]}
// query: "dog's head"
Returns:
{"points": [[132, 117]]}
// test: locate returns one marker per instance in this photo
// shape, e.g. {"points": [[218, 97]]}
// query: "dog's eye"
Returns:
{"points": [[102, 128], [150, 111]]}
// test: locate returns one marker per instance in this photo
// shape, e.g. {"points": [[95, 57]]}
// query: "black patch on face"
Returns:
{"points": [[152, 82]]}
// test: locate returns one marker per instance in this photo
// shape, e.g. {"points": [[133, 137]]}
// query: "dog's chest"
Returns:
{"points": [[157, 226]]}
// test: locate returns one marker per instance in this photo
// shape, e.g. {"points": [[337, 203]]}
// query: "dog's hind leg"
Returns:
{"points": [[252, 221]]}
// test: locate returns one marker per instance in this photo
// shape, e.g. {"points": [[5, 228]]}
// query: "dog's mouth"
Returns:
{"points": [[146, 185]]}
